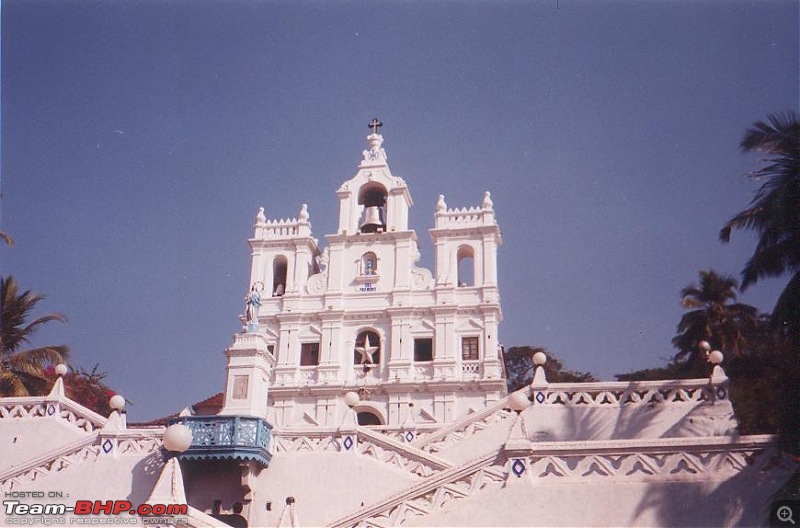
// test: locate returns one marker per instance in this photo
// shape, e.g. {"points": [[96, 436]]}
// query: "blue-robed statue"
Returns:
{"points": [[253, 302]]}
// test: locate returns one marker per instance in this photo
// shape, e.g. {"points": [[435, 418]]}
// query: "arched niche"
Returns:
{"points": [[367, 349], [369, 263], [465, 259]]}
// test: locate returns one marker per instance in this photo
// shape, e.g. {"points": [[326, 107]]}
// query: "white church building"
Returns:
{"points": [[364, 390]]}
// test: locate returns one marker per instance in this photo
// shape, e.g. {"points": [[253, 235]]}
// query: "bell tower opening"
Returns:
{"points": [[373, 198], [466, 266], [280, 267]]}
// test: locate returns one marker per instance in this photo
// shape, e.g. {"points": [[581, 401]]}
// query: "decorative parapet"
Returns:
{"points": [[281, 229], [662, 460], [601, 394], [368, 442], [455, 218], [432, 493], [630, 393], [656, 459], [227, 437], [466, 427], [56, 408], [131, 442]]}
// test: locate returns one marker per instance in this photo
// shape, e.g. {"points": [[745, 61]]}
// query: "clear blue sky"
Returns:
{"points": [[140, 138]]}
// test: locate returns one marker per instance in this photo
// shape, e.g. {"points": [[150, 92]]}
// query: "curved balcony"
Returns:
{"points": [[227, 437]]}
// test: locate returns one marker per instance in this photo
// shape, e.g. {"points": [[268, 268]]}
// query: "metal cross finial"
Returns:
{"points": [[375, 124]]}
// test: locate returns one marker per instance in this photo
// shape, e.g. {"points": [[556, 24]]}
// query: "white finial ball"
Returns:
{"points": [[518, 401], [352, 399], [704, 346], [539, 358], [61, 369], [116, 402], [177, 438], [715, 357]]}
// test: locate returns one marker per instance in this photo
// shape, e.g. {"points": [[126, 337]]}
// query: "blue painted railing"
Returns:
{"points": [[227, 437]]}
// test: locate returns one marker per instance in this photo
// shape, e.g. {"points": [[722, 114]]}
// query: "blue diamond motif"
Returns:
{"points": [[51, 409], [721, 393], [348, 443], [518, 467], [107, 446], [409, 436], [540, 397]]}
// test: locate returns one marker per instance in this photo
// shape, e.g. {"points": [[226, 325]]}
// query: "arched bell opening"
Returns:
{"points": [[280, 266], [466, 266], [373, 199]]}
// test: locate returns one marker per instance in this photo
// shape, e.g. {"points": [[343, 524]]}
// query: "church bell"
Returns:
{"points": [[372, 219]]}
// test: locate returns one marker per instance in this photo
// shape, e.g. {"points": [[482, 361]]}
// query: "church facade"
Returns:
{"points": [[366, 391], [361, 316]]}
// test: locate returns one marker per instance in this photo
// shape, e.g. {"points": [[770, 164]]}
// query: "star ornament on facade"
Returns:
{"points": [[366, 352]]}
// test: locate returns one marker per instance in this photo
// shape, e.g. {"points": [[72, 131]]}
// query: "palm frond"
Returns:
{"points": [[7, 239], [43, 356], [10, 385]]}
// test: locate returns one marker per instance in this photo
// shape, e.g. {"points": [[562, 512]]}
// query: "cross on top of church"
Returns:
{"points": [[375, 124]]}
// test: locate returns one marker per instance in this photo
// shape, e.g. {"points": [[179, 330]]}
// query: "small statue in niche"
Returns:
{"points": [[370, 267], [253, 302]]}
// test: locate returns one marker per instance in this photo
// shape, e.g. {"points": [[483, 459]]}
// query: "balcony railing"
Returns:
{"points": [[471, 368], [227, 437]]}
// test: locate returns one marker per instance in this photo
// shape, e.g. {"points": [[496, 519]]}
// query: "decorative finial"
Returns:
{"points": [[715, 357], [261, 218], [375, 124], [352, 399], [117, 402], [304, 213], [441, 207], [177, 438], [487, 201], [61, 369], [518, 402]]}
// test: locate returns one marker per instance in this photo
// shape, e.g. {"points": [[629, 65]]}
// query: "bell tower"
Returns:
{"points": [[362, 317], [373, 200]]}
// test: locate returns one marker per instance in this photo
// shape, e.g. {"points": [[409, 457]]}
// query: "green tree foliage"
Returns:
{"points": [[519, 368], [774, 215], [21, 370], [750, 346], [713, 315]]}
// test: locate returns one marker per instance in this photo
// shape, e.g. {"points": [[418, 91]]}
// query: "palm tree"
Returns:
{"points": [[21, 371], [716, 317], [774, 213]]}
